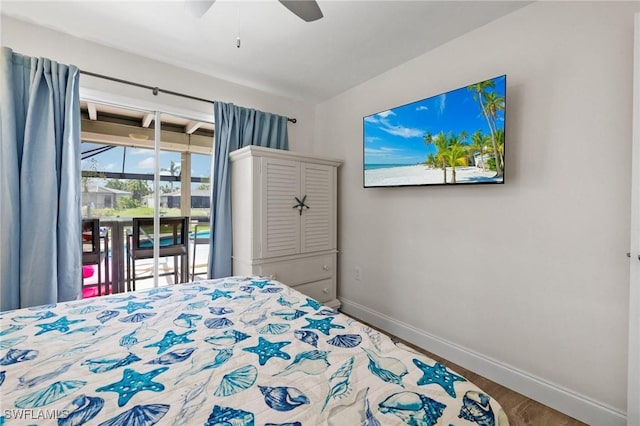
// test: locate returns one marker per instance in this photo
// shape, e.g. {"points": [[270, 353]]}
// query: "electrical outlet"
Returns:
{"points": [[358, 273]]}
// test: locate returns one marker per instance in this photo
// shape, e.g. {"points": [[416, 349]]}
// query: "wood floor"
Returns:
{"points": [[520, 410]]}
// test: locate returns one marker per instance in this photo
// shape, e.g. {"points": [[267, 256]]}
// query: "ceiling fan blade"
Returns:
{"points": [[307, 10], [198, 8]]}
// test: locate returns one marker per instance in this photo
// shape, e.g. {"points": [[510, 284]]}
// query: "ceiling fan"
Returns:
{"points": [[307, 10]]}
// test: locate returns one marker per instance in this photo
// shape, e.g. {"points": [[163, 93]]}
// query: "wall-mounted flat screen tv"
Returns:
{"points": [[452, 138]]}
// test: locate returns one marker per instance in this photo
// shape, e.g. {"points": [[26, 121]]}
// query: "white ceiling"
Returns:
{"points": [[279, 53]]}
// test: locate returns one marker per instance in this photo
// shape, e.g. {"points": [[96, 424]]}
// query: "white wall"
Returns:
{"points": [[33, 40], [548, 315]]}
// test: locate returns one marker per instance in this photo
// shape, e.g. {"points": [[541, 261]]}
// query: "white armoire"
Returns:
{"points": [[284, 207]]}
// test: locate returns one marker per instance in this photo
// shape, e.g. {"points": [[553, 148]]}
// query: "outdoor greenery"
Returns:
{"points": [[174, 170], [454, 150], [205, 184], [138, 188]]}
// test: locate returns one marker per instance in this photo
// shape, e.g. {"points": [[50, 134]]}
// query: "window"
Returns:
{"points": [[200, 185]]}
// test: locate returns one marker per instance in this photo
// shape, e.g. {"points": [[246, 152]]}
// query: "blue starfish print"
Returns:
{"points": [[47, 306], [217, 294], [158, 290], [133, 382], [36, 317], [267, 350], [121, 299], [62, 325], [438, 374], [312, 304], [12, 328], [134, 306], [260, 283], [324, 325], [171, 339]]}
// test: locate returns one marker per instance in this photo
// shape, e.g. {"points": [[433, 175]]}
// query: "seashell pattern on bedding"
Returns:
{"points": [[234, 351]]}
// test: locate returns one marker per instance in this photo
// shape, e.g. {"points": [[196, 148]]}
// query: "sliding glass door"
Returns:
{"points": [[131, 170]]}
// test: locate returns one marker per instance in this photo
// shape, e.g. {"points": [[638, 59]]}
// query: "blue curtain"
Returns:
{"points": [[40, 216], [236, 127]]}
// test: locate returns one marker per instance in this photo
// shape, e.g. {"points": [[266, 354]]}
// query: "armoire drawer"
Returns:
{"points": [[300, 271], [322, 291]]}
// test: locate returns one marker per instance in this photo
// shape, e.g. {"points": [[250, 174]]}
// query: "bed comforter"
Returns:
{"points": [[234, 351]]}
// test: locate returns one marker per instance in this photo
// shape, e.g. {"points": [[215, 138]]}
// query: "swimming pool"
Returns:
{"points": [[202, 237]]}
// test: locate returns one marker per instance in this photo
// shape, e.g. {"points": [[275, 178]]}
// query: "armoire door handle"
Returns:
{"points": [[300, 204]]}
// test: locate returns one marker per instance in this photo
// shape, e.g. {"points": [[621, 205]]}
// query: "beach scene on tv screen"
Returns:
{"points": [[453, 138]]}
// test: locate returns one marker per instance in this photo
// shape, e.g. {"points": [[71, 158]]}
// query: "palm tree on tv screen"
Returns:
{"points": [[452, 151], [440, 142], [490, 104], [478, 143], [455, 155], [500, 146], [494, 104], [432, 161]]}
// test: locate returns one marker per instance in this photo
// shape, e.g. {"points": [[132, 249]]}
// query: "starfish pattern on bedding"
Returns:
{"points": [[35, 317], [260, 284], [267, 350], [217, 294], [121, 299], [438, 374], [61, 325], [324, 325], [131, 307], [133, 382], [171, 339], [158, 290], [312, 304], [11, 328]]}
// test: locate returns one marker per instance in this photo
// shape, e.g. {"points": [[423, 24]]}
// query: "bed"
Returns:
{"points": [[233, 351]]}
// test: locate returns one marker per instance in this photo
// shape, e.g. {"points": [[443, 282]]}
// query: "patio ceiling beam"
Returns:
{"points": [[125, 135], [147, 119], [192, 126], [93, 113]]}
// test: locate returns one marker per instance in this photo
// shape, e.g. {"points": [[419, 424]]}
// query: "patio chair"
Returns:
{"points": [[173, 243], [92, 254], [198, 239]]}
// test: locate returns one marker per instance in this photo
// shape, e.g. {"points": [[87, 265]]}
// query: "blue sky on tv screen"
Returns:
{"points": [[396, 136]]}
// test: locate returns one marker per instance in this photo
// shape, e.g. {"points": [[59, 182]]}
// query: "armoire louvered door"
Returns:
{"points": [[280, 221], [315, 227]]}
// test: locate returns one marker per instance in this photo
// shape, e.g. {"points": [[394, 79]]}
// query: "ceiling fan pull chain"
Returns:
{"points": [[238, 23]]}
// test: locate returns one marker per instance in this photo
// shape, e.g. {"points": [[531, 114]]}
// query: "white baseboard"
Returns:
{"points": [[564, 400]]}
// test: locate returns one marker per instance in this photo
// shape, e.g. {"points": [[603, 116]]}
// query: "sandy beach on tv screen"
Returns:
{"points": [[422, 175]]}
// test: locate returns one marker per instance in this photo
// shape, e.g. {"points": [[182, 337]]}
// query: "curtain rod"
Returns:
{"points": [[156, 90]]}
